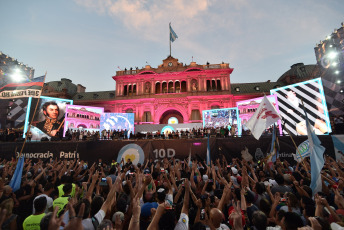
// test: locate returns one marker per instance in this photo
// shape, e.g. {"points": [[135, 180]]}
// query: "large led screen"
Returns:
{"points": [[248, 107], [48, 120], [225, 118], [289, 101], [82, 118], [117, 121]]}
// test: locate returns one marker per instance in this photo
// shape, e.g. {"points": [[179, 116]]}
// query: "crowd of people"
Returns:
{"points": [[12, 134], [171, 194]]}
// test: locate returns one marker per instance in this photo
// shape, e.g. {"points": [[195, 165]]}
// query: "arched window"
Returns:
{"points": [[213, 85], [170, 87], [183, 86], [130, 90], [157, 88], [215, 107], [177, 86], [164, 87], [125, 91], [208, 85], [134, 89], [129, 110], [218, 87]]}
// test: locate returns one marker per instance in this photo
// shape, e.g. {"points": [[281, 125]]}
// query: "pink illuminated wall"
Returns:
{"points": [[83, 117]]}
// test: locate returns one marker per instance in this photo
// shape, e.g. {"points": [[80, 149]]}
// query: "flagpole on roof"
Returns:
{"points": [[33, 115]]}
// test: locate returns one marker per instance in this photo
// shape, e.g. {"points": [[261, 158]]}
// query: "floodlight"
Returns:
{"points": [[332, 55], [336, 72]]}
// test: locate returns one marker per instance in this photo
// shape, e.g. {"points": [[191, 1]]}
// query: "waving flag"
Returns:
{"points": [[173, 35], [274, 151], [28, 89], [316, 155], [190, 162], [263, 118], [17, 176], [208, 152], [302, 149]]}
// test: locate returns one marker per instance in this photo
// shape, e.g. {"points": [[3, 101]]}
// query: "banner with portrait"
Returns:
{"points": [[311, 93], [48, 121]]}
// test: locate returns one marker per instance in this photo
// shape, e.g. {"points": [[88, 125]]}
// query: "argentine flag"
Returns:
{"points": [[316, 155], [17, 176], [208, 152], [173, 35]]}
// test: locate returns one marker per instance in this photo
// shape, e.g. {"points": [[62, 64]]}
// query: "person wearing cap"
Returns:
{"points": [[235, 178]]}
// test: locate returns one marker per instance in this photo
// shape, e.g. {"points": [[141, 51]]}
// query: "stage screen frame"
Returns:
{"points": [[129, 117], [294, 114], [237, 122], [98, 110]]}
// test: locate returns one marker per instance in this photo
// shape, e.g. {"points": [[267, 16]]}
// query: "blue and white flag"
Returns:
{"points": [[316, 155], [17, 176], [173, 35], [208, 152], [190, 162], [274, 151]]}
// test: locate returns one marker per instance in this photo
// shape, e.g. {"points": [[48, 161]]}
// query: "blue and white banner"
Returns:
{"points": [[302, 149]]}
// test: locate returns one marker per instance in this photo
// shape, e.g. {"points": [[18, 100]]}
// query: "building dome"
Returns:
{"points": [[299, 72]]}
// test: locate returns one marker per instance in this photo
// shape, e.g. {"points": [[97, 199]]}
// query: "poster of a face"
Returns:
{"points": [[48, 121], [311, 94], [117, 121], [82, 118], [248, 107], [221, 118]]}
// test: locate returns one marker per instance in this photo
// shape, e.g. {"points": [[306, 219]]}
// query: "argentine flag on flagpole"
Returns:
{"points": [[190, 162], [173, 35], [316, 156], [17, 176], [208, 152]]}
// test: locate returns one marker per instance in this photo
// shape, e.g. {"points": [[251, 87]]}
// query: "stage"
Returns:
{"points": [[141, 150]]}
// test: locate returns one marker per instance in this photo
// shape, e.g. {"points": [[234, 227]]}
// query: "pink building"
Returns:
{"points": [[173, 90], [82, 118]]}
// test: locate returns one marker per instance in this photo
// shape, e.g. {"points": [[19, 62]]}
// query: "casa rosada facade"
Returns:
{"points": [[173, 89]]}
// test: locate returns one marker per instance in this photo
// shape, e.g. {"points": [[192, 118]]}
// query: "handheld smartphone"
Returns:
{"points": [[202, 213], [168, 205], [104, 179]]}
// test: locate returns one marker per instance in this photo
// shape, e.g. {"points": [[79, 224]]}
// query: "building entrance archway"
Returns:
{"points": [[171, 113]]}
